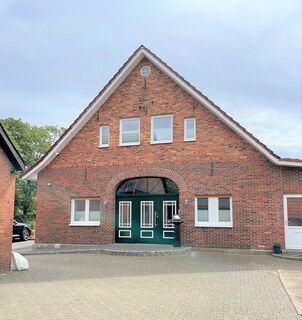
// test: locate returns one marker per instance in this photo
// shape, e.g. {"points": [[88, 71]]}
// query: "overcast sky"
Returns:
{"points": [[246, 56]]}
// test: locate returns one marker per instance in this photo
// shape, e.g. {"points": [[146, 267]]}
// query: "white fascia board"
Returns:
{"points": [[290, 163]]}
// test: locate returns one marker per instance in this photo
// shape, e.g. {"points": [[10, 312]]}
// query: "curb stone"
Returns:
{"points": [[280, 256], [113, 252]]}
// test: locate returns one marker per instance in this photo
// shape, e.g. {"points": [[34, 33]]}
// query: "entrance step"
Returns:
{"points": [[112, 249]]}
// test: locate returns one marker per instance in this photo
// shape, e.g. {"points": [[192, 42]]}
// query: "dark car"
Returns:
{"points": [[21, 231]]}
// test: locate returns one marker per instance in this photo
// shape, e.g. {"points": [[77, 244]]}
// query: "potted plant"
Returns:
{"points": [[277, 248]]}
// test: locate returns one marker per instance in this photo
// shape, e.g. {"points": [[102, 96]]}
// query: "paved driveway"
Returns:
{"points": [[194, 286]]}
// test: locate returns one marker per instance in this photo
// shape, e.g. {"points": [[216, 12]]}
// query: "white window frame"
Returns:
{"points": [[121, 133], [129, 224], [151, 204], [166, 203], [213, 213], [185, 129], [104, 145], [152, 125], [285, 205], [167, 237], [123, 230], [151, 236], [85, 223]]}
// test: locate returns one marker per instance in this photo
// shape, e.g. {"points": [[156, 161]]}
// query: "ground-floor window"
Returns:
{"points": [[85, 212], [213, 212]]}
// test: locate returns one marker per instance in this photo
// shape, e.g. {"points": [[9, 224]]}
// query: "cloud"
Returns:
{"points": [[245, 55], [278, 129]]}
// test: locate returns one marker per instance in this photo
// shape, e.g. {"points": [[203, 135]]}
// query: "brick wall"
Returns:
{"points": [[7, 197], [219, 162]]}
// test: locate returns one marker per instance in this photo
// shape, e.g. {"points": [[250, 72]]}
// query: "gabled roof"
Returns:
{"points": [[10, 150], [113, 84]]}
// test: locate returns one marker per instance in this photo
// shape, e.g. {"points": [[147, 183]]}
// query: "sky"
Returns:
{"points": [[246, 56]]}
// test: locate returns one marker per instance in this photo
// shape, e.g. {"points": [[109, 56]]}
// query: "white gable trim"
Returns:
{"points": [[32, 173]]}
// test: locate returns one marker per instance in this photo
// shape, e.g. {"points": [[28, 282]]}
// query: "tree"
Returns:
{"points": [[32, 142]]}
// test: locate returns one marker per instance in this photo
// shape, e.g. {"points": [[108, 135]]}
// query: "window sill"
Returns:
{"points": [[214, 226], [104, 146], [160, 142], [190, 140], [129, 144], [84, 224]]}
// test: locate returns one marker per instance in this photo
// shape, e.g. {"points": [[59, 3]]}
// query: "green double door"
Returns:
{"points": [[145, 219]]}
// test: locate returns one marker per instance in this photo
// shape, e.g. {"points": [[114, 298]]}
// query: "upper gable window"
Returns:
{"points": [[129, 132], [104, 136], [190, 129], [162, 129], [145, 71]]}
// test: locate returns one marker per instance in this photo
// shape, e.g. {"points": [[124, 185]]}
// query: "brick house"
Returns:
{"points": [[10, 162], [150, 145]]}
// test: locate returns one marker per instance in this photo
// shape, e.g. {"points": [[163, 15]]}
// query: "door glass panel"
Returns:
{"points": [[148, 186], [125, 214], [79, 210], [294, 212], [169, 208], [146, 214]]}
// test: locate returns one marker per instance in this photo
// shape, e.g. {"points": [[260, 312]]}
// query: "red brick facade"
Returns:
{"points": [[218, 163], [7, 197]]}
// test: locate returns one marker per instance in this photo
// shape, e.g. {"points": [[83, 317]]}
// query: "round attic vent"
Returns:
{"points": [[145, 71]]}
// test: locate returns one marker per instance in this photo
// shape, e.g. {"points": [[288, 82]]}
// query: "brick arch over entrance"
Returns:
{"points": [[125, 175], [110, 197]]}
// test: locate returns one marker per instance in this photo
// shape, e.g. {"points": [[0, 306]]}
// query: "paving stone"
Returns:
{"points": [[194, 286]]}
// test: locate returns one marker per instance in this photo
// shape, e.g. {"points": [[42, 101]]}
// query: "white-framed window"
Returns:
{"points": [[190, 129], [213, 212], [85, 212], [129, 132], [162, 129], [104, 136]]}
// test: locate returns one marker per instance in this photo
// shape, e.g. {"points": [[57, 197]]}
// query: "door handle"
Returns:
{"points": [[156, 218]]}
